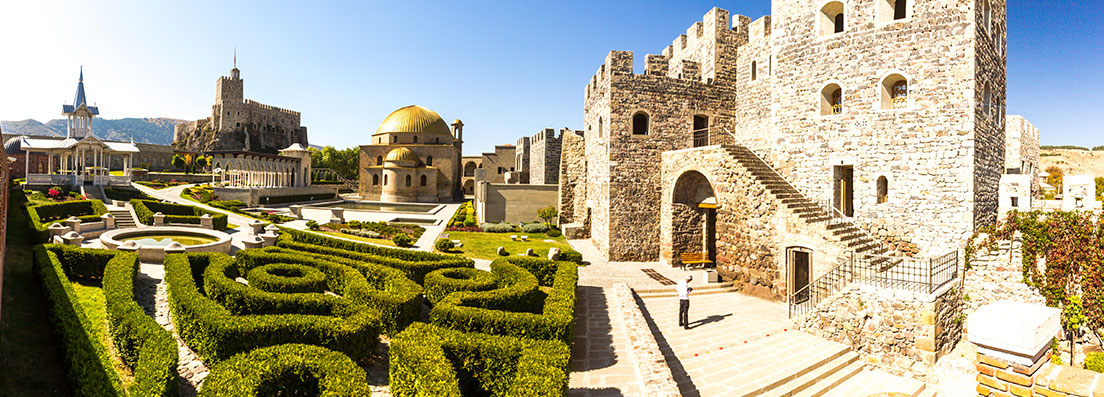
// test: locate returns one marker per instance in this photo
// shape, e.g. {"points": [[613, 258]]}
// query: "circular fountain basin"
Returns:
{"points": [[152, 241]]}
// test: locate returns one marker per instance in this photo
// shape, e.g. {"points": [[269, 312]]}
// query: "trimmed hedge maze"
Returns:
{"points": [[40, 217], [175, 213], [146, 348], [298, 318]]}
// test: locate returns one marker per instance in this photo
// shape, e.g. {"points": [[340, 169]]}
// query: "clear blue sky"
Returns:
{"points": [[507, 69]]}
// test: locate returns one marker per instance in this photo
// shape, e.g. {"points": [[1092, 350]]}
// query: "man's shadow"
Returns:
{"points": [[711, 319]]}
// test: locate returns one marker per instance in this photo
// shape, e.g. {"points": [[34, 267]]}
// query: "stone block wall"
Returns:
{"points": [[573, 172], [1021, 154], [997, 377], [513, 203], [544, 159], [901, 332], [521, 153]]}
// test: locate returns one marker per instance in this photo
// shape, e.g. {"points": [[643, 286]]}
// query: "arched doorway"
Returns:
{"points": [[693, 217], [469, 169], [469, 187]]}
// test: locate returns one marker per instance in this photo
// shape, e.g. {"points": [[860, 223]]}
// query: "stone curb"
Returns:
{"points": [[651, 368]]}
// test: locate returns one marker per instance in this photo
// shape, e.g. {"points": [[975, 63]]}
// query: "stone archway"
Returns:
{"points": [[693, 217], [469, 169], [469, 187]]}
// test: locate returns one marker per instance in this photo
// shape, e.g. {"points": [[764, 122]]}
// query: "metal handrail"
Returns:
{"points": [[329, 171]]}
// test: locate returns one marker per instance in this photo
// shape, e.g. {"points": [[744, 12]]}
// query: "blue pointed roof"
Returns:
{"points": [[80, 99]]}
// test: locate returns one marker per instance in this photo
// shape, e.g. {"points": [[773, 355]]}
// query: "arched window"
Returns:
{"points": [[394, 138], [883, 190], [384, 179], [986, 16], [892, 10], [408, 180], [986, 99], [895, 92], [640, 123], [379, 160], [375, 180], [429, 161], [754, 71], [599, 127], [415, 139], [423, 180], [831, 18], [831, 100]]}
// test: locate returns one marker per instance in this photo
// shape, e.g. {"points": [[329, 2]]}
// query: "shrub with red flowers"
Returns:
{"points": [[54, 192]]}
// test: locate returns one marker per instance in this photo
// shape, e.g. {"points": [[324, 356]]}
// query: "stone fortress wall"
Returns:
{"points": [[941, 151], [1021, 155], [237, 123], [543, 163]]}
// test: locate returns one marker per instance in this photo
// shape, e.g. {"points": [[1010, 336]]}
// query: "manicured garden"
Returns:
{"points": [[310, 318]]}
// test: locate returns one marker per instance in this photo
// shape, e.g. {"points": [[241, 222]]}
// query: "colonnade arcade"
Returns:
{"points": [[250, 171], [73, 162]]}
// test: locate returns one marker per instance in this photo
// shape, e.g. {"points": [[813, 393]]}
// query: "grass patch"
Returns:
{"points": [[90, 296], [483, 245], [379, 241]]}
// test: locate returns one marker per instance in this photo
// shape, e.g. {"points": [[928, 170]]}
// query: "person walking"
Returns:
{"points": [[683, 288]]}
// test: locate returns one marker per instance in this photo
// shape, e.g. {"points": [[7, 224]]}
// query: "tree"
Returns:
{"points": [[548, 214], [1099, 187], [178, 161], [202, 161], [344, 162], [1055, 177]]}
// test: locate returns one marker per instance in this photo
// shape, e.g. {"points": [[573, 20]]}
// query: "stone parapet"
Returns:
{"points": [[651, 367]]}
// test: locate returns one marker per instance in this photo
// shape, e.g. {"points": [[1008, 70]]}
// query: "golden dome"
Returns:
{"points": [[414, 119], [402, 154]]}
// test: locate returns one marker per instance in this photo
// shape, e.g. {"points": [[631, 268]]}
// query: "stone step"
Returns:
{"points": [[875, 381], [779, 383], [670, 292], [826, 378]]}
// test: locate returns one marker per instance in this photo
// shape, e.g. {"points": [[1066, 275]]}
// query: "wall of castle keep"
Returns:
{"points": [[543, 162], [1021, 154], [573, 172], [942, 163]]}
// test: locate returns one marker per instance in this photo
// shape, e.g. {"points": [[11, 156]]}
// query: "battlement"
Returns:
{"points": [[251, 102], [760, 29]]}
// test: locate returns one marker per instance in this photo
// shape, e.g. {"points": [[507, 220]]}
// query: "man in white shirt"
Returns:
{"points": [[683, 289]]}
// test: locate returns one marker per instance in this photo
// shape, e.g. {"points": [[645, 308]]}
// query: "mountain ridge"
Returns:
{"points": [[155, 130]]}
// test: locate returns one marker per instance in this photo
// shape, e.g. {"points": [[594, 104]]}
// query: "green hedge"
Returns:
{"points": [[510, 310], [89, 363], [291, 369], [294, 198], [433, 361], [441, 283], [287, 278], [416, 264], [175, 213], [42, 216], [240, 299], [141, 343], [396, 297], [216, 334]]}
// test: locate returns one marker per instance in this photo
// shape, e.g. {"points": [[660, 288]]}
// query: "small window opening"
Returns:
{"points": [[423, 180], [831, 18], [754, 71], [701, 131], [385, 180], [379, 160], [640, 123], [600, 127], [408, 180], [1015, 202], [831, 101], [415, 139], [429, 160], [375, 180], [899, 9], [883, 190], [895, 92]]}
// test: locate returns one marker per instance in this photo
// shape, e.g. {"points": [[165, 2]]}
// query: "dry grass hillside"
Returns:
{"points": [[1073, 161]]}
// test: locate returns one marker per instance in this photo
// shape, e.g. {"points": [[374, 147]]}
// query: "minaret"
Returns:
{"points": [[79, 114]]}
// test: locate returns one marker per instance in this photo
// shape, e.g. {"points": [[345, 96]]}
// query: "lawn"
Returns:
{"points": [[91, 298], [481, 245]]}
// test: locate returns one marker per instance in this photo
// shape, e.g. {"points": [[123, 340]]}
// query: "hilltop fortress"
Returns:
{"points": [[875, 126], [240, 124]]}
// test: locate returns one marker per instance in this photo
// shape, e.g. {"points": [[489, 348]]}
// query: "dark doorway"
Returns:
{"points": [[844, 199], [701, 131], [800, 261]]}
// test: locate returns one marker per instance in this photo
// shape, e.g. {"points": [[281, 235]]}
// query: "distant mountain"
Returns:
{"points": [[148, 130]]}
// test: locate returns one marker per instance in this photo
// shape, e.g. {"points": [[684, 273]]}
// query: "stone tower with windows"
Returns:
{"points": [[889, 110]]}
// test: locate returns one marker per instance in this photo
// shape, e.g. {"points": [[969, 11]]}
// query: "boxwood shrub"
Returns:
{"points": [[40, 217], [175, 213], [440, 283], [294, 198], [143, 345], [287, 278], [216, 334], [290, 369], [397, 298], [240, 299], [505, 311], [416, 264], [432, 361]]}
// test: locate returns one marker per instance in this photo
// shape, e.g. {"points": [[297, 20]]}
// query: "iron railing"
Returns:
{"points": [[328, 174], [701, 137], [922, 275]]}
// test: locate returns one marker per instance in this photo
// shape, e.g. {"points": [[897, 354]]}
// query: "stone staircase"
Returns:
{"points": [[94, 192], [669, 292], [123, 218], [853, 236]]}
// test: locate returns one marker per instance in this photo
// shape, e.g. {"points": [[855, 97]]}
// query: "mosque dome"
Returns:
{"points": [[402, 155], [12, 146], [414, 119]]}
